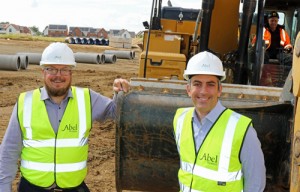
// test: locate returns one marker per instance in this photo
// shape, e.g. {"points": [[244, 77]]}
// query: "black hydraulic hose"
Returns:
{"points": [[207, 7], [148, 39], [154, 9], [259, 44], [240, 68], [159, 9]]}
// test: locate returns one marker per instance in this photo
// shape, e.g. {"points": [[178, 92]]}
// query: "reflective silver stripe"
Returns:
{"points": [[59, 143], [27, 114], [266, 41], [213, 175], [184, 188], [283, 35], [227, 142], [180, 122], [49, 167], [188, 167], [81, 110]]}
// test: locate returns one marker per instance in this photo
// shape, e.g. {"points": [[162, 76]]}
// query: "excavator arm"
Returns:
{"points": [[295, 156]]}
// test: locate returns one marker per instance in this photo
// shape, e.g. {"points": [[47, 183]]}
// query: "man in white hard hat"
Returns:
{"points": [[218, 148], [50, 126]]}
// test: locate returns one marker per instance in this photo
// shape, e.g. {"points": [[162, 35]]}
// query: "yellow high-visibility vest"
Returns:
{"points": [[216, 167], [49, 157]]}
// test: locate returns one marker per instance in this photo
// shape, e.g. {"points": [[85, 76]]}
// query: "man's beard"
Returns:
{"points": [[57, 92]]}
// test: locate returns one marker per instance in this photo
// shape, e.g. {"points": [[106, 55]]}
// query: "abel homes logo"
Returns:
{"points": [[205, 65], [70, 128], [210, 159]]}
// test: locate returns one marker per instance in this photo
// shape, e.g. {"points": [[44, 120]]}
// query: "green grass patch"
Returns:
{"points": [[24, 37]]}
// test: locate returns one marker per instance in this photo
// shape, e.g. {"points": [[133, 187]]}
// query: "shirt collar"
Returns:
{"points": [[45, 96], [214, 114]]}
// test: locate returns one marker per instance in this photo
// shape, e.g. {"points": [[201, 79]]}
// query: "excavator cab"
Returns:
{"points": [[146, 153], [274, 70]]}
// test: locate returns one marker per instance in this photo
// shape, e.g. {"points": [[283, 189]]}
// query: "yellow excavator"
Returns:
{"points": [[146, 153]]}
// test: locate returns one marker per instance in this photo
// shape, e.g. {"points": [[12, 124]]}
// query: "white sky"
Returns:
{"points": [[107, 14]]}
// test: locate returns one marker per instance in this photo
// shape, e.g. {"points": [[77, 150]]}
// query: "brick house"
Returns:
{"points": [[56, 30], [14, 29]]}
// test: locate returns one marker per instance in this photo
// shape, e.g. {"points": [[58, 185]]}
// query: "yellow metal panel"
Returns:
{"points": [[224, 26], [168, 25], [163, 42], [295, 170], [162, 65], [296, 68], [187, 27], [295, 156]]}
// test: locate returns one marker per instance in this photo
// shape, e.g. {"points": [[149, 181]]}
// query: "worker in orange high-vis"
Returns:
{"points": [[277, 41]]}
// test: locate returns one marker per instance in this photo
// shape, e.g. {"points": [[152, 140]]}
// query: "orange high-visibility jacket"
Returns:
{"points": [[284, 38]]}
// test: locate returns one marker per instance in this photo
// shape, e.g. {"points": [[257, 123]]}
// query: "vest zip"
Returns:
{"points": [[197, 151], [55, 157]]}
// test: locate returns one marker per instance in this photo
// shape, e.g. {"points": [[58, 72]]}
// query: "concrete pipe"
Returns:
{"points": [[33, 58], [133, 54], [102, 58], [84, 40], [103, 41], [120, 54], [10, 62], [92, 58], [24, 61], [110, 58], [97, 41], [70, 40], [77, 40], [106, 42], [90, 41]]}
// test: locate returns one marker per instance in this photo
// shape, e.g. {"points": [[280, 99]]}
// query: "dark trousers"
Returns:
{"points": [[285, 59], [25, 186]]}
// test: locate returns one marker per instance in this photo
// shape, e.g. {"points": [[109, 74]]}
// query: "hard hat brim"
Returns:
{"points": [[187, 74]]}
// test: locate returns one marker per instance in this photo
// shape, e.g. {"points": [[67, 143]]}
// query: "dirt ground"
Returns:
{"points": [[101, 162]]}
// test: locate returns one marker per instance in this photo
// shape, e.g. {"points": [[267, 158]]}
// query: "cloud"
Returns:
{"points": [[107, 14], [34, 4]]}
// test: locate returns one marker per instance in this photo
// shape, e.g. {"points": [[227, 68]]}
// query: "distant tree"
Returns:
{"points": [[36, 30], [2, 22]]}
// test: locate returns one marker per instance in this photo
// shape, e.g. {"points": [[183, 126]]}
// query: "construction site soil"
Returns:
{"points": [[99, 77]]}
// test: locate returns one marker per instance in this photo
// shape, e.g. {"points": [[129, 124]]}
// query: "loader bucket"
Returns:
{"points": [[146, 153]]}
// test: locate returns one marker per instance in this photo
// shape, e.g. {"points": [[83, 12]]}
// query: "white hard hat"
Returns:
{"points": [[58, 54], [204, 63]]}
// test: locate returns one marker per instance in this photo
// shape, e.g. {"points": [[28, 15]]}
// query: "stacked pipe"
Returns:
{"points": [[24, 61], [33, 58], [93, 58], [87, 41], [10, 62], [121, 54], [70, 40], [110, 58]]}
